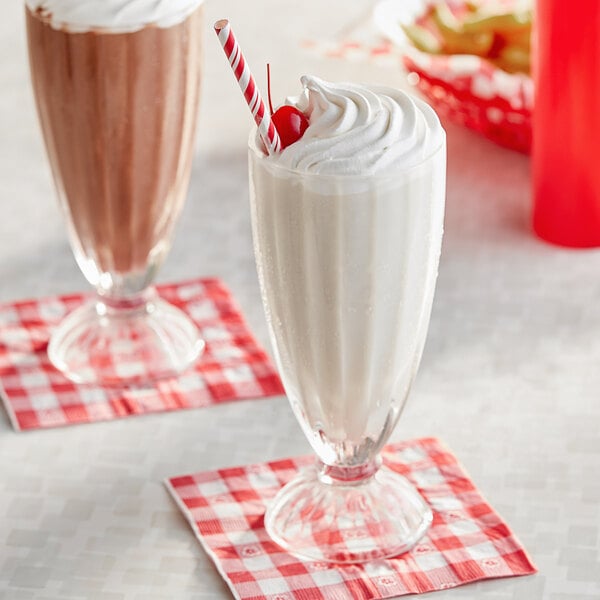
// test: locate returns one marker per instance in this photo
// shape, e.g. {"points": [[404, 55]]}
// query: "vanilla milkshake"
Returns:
{"points": [[116, 84], [347, 225]]}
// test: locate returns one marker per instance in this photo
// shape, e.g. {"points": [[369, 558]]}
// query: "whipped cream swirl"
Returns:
{"points": [[116, 16], [359, 130]]}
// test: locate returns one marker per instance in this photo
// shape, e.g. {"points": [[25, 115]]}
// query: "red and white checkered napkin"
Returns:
{"points": [[467, 542], [37, 396]]}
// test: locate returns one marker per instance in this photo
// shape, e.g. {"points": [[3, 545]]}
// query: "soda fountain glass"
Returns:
{"points": [[347, 268], [118, 113]]}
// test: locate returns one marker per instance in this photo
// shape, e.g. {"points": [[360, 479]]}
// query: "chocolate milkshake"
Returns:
{"points": [[117, 88]]}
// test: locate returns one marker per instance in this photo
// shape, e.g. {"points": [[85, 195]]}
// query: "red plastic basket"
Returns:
{"points": [[467, 89], [484, 98]]}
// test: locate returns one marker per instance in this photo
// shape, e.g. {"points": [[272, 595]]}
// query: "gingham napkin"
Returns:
{"points": [[467, 541], [232, 367]]}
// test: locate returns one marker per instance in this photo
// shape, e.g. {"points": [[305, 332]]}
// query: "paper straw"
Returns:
{"points": [[261, 115]]}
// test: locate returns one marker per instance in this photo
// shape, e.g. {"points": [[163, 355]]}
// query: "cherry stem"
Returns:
{"points": [[269, 87]]}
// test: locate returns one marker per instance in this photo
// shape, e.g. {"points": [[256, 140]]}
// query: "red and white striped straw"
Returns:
{"points": [[261, 115]]}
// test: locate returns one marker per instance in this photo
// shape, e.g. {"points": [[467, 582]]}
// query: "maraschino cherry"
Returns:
{"points": [[290, 122]]}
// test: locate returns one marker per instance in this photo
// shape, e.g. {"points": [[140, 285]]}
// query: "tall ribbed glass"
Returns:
{"points": [[118, 113], [347, 267]]}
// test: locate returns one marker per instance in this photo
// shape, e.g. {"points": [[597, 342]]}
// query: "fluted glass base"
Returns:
{"points": [[130, 343], [322, 517]]}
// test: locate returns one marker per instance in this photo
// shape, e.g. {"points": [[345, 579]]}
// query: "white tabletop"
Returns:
{"points": [[510, 379]]}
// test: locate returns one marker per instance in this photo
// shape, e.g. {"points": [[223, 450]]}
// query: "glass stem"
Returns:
{"points": [[108, 303], [348, 475]]}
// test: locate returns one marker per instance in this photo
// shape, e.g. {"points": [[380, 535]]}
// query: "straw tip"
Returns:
{"points": [[221, 24]]}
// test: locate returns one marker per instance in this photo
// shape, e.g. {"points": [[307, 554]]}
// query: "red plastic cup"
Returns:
{"points": [[566, 123]]}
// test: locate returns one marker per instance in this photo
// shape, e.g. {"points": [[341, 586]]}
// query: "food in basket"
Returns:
{"points": [[498, 32]]}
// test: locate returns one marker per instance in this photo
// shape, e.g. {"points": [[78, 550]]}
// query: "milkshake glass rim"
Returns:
{"points": [[387, 174]]}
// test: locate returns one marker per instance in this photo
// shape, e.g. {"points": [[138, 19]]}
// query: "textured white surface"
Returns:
{"points": [[510, 378]]}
